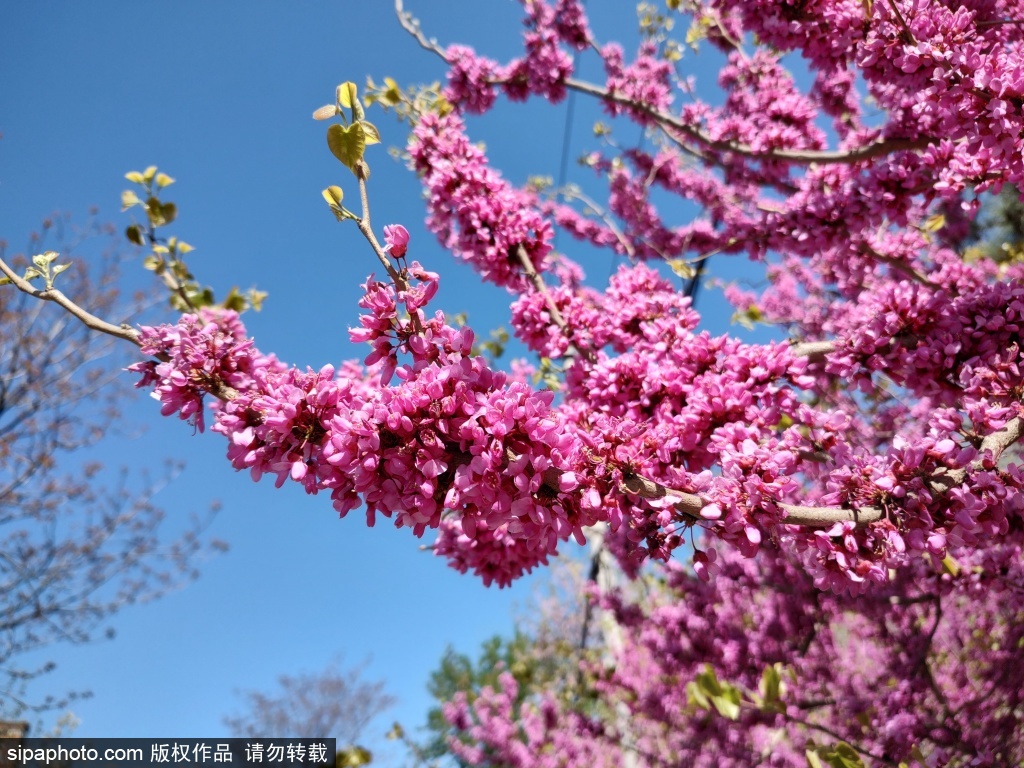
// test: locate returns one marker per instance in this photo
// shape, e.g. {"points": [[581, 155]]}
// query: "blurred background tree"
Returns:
{"points": [[332, 703], [77, 543]]}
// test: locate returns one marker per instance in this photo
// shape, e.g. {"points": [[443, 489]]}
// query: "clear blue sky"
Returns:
{"points": [[219, 95]]}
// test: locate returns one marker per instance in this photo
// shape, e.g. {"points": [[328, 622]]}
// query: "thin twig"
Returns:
{"points": [[167, 275], [574, 192], [412, 25], [88, 319], [900, 266], [1000, 21], [553, 311], [363, 222], [905, 32]]}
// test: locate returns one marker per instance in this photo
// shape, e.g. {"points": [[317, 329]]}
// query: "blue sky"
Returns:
{"points": [[219, 95]]}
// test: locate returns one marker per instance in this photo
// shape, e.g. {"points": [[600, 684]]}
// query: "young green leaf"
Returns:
{"points": [[346, 94], [333, 195], [134, 234], [347, 143], [372, 134], [128, 199], [682, 268]]}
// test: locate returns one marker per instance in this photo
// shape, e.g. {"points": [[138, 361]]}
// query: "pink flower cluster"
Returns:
{"points": [[474, 212], [199, 354], [451, 446], [646, 81]]}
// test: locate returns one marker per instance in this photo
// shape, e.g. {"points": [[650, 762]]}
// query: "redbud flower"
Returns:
{"points": [[396, 239]]}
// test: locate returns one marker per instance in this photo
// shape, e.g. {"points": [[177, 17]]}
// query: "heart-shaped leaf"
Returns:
{"points": [[346, 94], [347, 143], [372, 134]]}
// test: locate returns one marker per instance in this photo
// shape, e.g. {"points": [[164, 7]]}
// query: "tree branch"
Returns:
{"points": [[556, 315], [52, 294], [412, 25], [813, 350], [877, 148]]}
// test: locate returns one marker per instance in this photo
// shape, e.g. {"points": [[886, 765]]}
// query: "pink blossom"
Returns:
{"points": [[396, 240]]}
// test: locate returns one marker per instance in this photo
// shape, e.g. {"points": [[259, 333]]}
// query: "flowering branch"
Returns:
{"points": [[690, 505], [877, 148]]}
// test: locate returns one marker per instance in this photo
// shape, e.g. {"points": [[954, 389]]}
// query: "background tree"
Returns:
{"points": [[332, 703], [554, 633], [77, 544]]}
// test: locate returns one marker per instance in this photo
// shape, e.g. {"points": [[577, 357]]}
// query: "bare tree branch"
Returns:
{"points": [[333, 703]]}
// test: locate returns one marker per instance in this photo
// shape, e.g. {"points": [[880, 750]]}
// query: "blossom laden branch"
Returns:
{"points": [[877, 148], [690, 506], [673, 126]]}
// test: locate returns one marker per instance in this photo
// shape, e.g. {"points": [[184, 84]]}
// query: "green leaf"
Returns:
{"points": [[234, 301], [951, 566], [840, 755], [169, 211], [748, 317], [32, 273], [256, 298], [725, 698], [393, 95], [346, 94], [60, 268], [163, 180], [153, 263], [698, 30], [154, 212], [43, 260], [128, 199], [5, 280], [347, 143], [372, 134], [682, 268], [135, 177], [770, 686], [694, 693], [149, 173], [134, 234], [353, 757], [728, 703], [333, 195], [180, 270]]}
